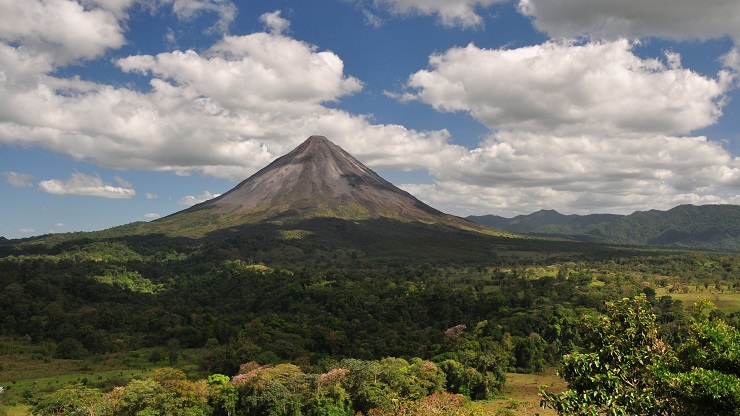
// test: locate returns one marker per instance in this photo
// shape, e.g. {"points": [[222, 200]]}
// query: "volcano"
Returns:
{"points": [[317, 179]]}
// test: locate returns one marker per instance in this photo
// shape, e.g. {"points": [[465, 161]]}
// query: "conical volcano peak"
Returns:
{"points": [[317, 179], [318, 140], [315, 143], [317, 147]]}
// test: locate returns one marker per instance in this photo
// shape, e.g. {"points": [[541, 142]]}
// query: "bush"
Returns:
{"points": [[71, 349]]}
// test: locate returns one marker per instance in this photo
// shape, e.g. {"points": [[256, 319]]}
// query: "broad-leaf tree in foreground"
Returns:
{"points": [[629, 370]]}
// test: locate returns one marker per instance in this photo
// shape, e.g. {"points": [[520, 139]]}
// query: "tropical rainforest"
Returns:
{"points": [[280, 323]]}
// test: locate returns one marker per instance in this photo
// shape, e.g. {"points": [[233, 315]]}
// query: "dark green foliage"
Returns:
{"points": [[320, 307], [529, 354], [70, 348]]}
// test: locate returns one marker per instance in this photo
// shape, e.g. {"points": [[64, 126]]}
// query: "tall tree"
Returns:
{"points": [[630, 370]]}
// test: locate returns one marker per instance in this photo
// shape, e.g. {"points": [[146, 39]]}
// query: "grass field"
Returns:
{"points": [[18, 410], [727, 302], [521, 394], [26, 371]]}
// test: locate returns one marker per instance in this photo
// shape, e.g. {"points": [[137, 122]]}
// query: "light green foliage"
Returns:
{"points": [[222, 395], [381, 384], [705, 378], [129, 280], [218, 380], [72, 401], [712, 343], [167, 392], [269, 390], [616, 377], [330, 397], [441, 404], [138, 397], [629, 370]]}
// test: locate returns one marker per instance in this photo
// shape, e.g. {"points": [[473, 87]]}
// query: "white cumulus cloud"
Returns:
{"points": [[579, 124], [461, 13], [576, 127], [595, 87], [274, 22], [61, 31], [732, 59], [82, 184]]}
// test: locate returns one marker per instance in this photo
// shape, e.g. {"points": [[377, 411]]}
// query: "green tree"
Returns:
{"points": [[222, 394], [166, 393], [70, 348], [268, 390], [71, 401], [630, 370], [529, 353], [705, 377], [616, 376], [441, 404], [330, 398]]}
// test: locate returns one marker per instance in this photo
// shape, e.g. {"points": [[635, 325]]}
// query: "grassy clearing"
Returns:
{"points": [[18, 410], [726, 302], [521, 394], [26, 370]]}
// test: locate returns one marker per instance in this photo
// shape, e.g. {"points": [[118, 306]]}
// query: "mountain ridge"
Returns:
{"points": [[705, 227]]}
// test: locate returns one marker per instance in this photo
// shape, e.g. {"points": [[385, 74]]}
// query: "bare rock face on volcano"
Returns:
{"points": [[319, 179]]}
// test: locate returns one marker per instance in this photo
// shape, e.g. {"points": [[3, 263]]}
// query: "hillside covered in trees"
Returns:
{"points": [[707, 227]]}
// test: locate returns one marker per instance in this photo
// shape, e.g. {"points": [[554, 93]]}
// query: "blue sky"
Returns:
{"points": [[116, 111]]}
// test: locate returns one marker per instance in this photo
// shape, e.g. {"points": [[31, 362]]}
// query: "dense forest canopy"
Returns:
{"points": [[281, 300]]}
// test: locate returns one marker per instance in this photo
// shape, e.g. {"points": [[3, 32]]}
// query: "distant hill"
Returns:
{"points": [[542, 221], [706, 227]]}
